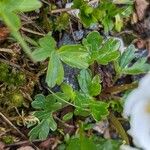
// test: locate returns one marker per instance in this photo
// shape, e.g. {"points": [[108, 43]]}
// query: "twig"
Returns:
{"points": [[17, 66], [62, 10], [63, 100], [23, 143], [70, 9], [30, 20], [13, 126], [7, 50], [119, 128], [31, 31], [126, 32], [65, 124], [120, 88], [10, 63], [45, 2], [93, 1]]}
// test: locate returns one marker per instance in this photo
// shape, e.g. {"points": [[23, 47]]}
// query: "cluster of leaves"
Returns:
{"points": [[67, 54], [9, 10], [93, 48], [127, 63], [81, 142], [107, 13], [83, 101]]}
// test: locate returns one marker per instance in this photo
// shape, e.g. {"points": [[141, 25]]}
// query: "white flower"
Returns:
{"points": [[137, 107]]}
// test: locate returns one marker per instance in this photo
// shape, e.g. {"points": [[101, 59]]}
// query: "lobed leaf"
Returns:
{"points": [[99, 110], [109, 51], [88, 85], [74, 56], [47, 46], [55, 72]]}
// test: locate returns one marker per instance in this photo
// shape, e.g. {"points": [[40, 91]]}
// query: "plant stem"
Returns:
{"points": [[119, 128], [24, 45], [63, 100], [120, 88]]}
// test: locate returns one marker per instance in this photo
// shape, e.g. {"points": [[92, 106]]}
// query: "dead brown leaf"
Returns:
{"points": [[4, 32], [2, 145], [140, 43], [148, 47], [141, 6]]}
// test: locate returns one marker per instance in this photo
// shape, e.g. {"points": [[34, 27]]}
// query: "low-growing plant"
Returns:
{"points": [[105, 13], [90, 102], [94, 49]]}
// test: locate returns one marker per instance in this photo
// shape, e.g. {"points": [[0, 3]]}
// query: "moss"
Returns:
{"points": [[8, 139], [10, 77], [16, 99]]}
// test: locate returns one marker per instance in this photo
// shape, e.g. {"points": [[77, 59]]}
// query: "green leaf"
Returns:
{"points": [[109, 51], [8, 13], [12, 20], [52, 123], [127, 56], [47, 46], [88, 85], [82, 101], [68, 90], [118, 23], [42, 114], [106, 144], [47, 106], [108, 24], [84, 79], [78, 3], [38, 103], [23, 5], [55, 72], [52, 104], [28, 5], [126, 11], [20, 5], [41, 131], [138, 67], [67, 116], [82, 143], [86, 15], [99, 110], [94, 39], [74, 56], [44, 130], [126, 66], [95, 86]]}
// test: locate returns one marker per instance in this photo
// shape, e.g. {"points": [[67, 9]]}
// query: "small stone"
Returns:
{"points": [[78, 34], [26, 148]]}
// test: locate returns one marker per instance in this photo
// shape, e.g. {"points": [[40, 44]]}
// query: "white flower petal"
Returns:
{"points": [[137, 107], [140, 125], [127, 147]]}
